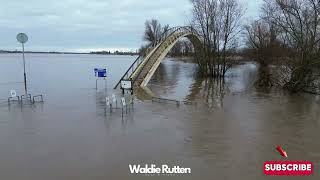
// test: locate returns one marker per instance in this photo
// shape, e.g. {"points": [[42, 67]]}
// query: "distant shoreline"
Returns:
{"points": [[53, 52]]}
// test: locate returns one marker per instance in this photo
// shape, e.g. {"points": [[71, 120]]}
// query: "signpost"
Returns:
{"points": [[23, 38], [114, 100], [100, 73], [126, 86], [123, 101]]}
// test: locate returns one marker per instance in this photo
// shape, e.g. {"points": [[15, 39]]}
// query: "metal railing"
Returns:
{"points": [[126, 74], [163, 39], [161, 100], [164, 36], [134, 66]]}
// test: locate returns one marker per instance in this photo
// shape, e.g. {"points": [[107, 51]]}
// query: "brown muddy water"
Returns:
{"points": [[220, 131]]}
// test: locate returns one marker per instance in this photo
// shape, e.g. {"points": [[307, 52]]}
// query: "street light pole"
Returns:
{"points": [[23, 38], [24, 71]]}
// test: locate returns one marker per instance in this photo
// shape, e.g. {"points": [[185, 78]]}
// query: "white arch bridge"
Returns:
{"points": [[142, 69]]}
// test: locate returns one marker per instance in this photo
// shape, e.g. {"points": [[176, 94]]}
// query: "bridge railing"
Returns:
{"points": [[163, 38], [172, 30], [134, 66]]}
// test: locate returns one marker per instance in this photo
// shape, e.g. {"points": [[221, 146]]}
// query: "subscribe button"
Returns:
{"points": [[288, 168]]}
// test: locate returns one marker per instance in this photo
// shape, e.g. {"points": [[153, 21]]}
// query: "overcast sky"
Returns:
{"points": [[85, 25]]}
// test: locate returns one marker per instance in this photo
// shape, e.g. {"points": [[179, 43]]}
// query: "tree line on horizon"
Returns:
{"points": [[286, 34]]}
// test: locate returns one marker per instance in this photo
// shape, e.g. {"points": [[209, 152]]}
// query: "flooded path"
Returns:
{"points": [[221, 131]]}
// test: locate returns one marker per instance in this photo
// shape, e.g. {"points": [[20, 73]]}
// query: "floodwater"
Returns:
{"points": [[219, 131]]}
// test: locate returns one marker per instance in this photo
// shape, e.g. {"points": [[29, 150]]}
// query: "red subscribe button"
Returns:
{"points": [[288, 168]]}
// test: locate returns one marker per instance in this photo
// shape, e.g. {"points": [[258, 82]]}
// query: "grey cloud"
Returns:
{"points": [[85, 24]]}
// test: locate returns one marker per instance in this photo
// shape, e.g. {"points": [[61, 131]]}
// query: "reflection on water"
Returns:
{"points": [[178, 80], [172, 79], [223, 131], [208, 91]]}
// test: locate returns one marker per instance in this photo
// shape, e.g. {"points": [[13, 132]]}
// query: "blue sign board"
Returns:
{"points": [[99, 72]]}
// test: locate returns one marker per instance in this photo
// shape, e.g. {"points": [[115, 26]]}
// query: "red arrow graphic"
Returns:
{"points": [[281, 151]]}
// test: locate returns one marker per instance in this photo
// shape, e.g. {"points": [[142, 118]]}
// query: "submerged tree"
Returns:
{"points": [[261, 39], [218, 24], [287, 31], [298, 22]]}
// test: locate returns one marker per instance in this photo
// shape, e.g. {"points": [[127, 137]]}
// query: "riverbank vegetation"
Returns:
{"points": [[289, 32]]}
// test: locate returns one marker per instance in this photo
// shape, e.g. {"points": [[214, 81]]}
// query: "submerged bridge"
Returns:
{"points": [[142, 69]]}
